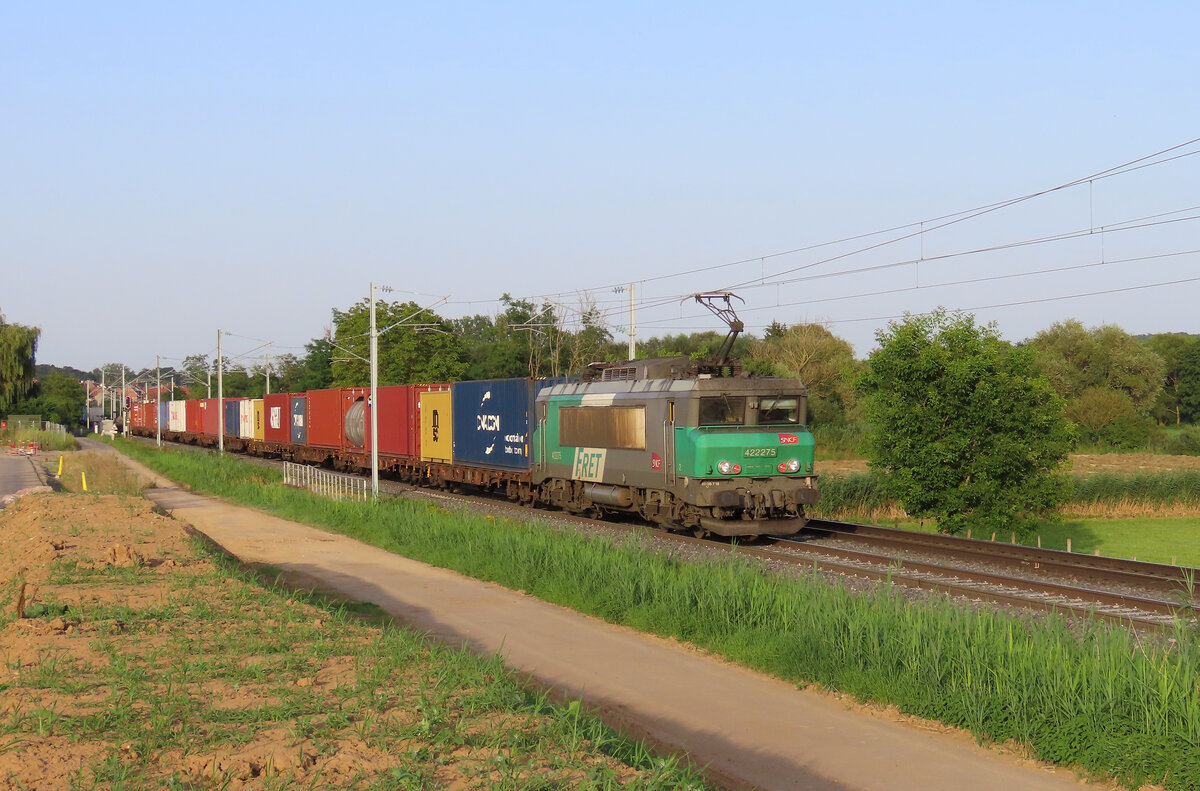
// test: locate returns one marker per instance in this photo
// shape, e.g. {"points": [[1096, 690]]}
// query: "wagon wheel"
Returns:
{"points": [[700, 532]]}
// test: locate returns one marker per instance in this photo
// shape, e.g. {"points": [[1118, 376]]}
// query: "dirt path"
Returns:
{"points": [[750, 730]]}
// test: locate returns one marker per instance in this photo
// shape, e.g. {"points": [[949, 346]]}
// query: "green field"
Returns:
{"points": [[1158, 540]]}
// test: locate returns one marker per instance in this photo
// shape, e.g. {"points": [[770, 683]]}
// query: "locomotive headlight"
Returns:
{"points": [[791, 465], [725, 467]]}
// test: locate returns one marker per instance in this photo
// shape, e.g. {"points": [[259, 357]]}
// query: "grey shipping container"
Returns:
{"points": [[493, 421], [299, 420]]}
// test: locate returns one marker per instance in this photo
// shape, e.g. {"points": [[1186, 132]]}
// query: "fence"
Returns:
{"points": [[330, 484]]}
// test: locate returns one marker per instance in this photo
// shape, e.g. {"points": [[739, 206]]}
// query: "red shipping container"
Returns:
{"points": [[211, 420], [136, 417], [277, 408], [399, 422], [195, 417], [325, 418]]}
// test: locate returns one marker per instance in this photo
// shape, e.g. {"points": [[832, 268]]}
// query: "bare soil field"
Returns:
{"points": [[134, 659]]}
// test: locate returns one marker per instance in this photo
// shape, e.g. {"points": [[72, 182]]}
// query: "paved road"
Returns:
{"points": [[748, 729], [16, 473]]}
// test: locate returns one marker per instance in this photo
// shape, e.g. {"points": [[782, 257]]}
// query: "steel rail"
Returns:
{"points": [[1155, 576]]}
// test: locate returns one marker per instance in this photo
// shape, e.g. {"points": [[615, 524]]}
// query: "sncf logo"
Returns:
{"points": [[789, 439]]}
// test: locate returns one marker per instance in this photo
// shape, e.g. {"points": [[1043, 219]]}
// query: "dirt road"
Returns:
{"points": [[750, 730]]}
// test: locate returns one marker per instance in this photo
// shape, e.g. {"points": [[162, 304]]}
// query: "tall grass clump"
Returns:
{"points": [[1098, 700], [858, 495], [104, 473], [46, 440], [1159, 488]]}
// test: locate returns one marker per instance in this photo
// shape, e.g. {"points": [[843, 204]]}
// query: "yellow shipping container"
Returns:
{"points": [[437, 440], [259, 423]]}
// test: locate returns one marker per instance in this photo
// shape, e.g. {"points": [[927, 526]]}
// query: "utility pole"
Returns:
{"points": [[632, 325], [373, 403], [268, 372], [220, 400], [157, 399], [124, 421]]}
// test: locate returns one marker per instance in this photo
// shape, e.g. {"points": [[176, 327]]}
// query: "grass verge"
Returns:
{"points": [[1098, 701], [101, 473]]}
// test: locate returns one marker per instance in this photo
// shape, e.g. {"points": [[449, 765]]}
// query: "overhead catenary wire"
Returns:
{"points": [[951, 218], [984, 279]]}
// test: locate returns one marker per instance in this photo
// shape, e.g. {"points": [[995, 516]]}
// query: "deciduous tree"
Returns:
{"points": [[820, 359], [18, 347], [967, 431], [1075, 358], [415, 345]]}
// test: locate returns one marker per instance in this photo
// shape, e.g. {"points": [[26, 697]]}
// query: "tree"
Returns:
{"points": [[967, 430], [1075, 358], [1169, 346], [1189, 383], [415, 345], [820, 359], [196, 370], [58, 398], [1097, 408], [18, 347]]}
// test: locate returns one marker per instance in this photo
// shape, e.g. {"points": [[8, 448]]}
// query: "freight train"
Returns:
{"points": [[677, 443], [684, 444]]}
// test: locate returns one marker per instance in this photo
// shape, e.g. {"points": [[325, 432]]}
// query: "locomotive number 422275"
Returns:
{"points": [[749, 453]]}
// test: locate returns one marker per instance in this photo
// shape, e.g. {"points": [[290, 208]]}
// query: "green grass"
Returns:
{"points": [[1096, 700], [1158, 540]]}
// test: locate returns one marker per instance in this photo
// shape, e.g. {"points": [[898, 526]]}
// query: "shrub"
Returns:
{"points": [[1185, 443]]}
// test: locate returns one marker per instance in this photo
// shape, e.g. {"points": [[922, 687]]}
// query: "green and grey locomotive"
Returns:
{"points": [[681, 445]]}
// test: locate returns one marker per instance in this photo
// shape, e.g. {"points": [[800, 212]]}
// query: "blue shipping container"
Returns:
{"points": [[493, 420], [233, 417], [299, 420], [164, 414]]}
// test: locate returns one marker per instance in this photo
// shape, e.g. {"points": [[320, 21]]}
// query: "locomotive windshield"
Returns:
{"points": [[722, 411], [779, 409]]}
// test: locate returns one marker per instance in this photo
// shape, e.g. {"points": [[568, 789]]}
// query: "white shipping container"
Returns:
{"points": [[246, 419], [177, 418]]}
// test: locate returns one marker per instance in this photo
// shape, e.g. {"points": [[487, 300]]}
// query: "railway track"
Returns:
{"points": [[1138, 595]]}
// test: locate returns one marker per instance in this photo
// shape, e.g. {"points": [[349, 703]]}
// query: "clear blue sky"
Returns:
{"points": [[174, 168]]}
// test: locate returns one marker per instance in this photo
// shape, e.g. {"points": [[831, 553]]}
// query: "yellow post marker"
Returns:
{"points": [[60, 458], [83, 478]]}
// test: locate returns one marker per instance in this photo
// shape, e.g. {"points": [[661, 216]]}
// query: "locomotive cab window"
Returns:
{"points": [[779, 410], [722, 411], [603, 427]]}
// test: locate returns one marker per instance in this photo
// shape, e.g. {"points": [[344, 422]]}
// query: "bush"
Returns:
{"points": [[1184, 443], [1128, 432]]}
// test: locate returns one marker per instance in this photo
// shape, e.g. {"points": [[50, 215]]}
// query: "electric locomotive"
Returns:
{"points": [[680, 445], [688, 445]]}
